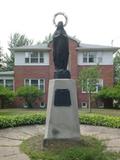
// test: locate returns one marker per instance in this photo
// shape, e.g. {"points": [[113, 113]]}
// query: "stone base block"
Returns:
{"points": [[59, 143]]}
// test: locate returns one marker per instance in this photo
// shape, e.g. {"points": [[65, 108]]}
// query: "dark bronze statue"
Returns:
{"points": [[60, 48], [60, 52]]}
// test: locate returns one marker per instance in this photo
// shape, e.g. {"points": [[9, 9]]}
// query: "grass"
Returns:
{"points": [[110, 112], [17, 111], [87, 149]]}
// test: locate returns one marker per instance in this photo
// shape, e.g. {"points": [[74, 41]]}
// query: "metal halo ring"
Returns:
{"points": [[60, 13]]}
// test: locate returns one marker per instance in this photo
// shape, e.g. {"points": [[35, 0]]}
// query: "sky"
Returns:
{"points": [[91, 21]]}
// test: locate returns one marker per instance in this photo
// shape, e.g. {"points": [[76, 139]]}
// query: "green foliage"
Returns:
{"points": [[116, 91], [88, 79], [18, 120], [110, 93], [16, 40], [105, 93], [30, 94], [87, 149], [6, 96], [100, 120], [46, 40], [1, 61], [39, 118], [8, 61], [116, 63]]}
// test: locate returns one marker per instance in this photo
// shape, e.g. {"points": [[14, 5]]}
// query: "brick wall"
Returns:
{"points": [[33, 72], [51, 66], [73, 59]]}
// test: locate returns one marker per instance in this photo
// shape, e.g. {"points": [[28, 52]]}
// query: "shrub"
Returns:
{"points": [[39, 118], [6, 96], [100, 120], [18, 120], [29, 94], [110, 93]]}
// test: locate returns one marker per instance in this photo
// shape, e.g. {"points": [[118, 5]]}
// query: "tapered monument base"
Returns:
{"points": [[62, 121]]}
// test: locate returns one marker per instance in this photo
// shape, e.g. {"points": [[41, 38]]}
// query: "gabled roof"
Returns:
{"points": [[42, 47], [81, 47], [86, 47]]}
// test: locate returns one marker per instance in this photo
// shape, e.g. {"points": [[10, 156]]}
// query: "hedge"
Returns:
{"points": [[19, 120], [100, 120], [39, 118]]}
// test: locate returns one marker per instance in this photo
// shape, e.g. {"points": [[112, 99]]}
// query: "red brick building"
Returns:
{"points": [[34, 65]]}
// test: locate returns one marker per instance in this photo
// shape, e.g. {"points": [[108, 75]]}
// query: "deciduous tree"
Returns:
{"points": [[16, 40], [117, 67], [88, 81]]}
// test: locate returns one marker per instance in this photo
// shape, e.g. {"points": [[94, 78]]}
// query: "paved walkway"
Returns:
{"points": [[11, 138]]}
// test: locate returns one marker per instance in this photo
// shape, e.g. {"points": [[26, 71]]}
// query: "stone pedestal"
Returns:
{"points": [[62, 111]]}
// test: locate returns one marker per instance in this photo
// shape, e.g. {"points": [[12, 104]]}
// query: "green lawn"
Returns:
{"points": [[17, 111], [110, 112]]}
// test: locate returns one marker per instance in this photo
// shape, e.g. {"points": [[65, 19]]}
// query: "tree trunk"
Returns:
{"points": [[89, 102], [0, 103]]}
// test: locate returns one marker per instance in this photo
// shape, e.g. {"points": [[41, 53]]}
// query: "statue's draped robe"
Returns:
{"points": [[60, 48]]}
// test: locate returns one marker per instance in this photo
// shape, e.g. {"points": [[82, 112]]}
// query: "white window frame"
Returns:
{"points": [[100, 84], [30, 79], [88, 55], [4, 82], [40, 58], [33, 57], [100, 60], [85, 57]]}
